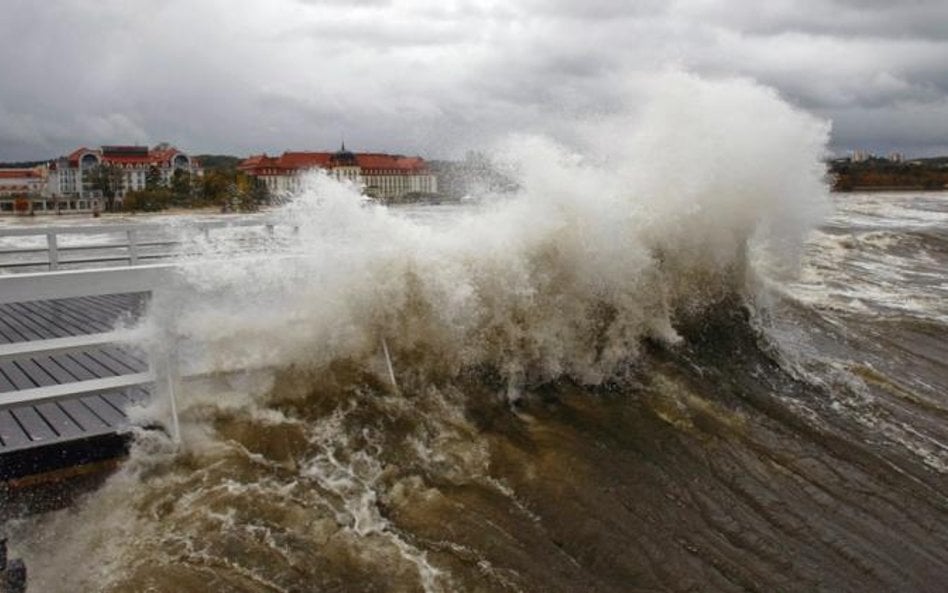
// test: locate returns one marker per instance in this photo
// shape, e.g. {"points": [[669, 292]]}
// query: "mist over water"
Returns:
{"points": [[667, 211], [610, 379]]}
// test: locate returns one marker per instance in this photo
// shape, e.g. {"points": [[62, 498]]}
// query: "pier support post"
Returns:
{"points": [[388, 363], [170, 377], [163, 360]]}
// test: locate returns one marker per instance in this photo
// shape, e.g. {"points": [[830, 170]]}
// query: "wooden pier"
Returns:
{"points": [[53, 433], [68, 373]]}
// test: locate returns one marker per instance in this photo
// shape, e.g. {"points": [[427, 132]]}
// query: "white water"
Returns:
{"points": [[866, 260], [660, 213], [664, 209]]}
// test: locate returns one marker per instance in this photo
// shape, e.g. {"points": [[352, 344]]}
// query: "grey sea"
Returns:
{"points": [[548, 432]]}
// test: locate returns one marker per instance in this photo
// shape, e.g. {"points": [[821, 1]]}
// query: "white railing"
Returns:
{"points": [[44, 286], [158, 280], [130, 246], [161, 281], [41, 286]]}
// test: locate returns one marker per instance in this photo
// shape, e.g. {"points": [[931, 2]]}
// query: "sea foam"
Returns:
{"points": [[652, 214]]}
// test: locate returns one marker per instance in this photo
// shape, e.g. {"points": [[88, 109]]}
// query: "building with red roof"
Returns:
{"points": [[69, 176], [20, 184], [384, 176]]}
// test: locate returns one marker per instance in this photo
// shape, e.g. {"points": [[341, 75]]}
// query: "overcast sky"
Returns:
{"points": [[439, 77]]}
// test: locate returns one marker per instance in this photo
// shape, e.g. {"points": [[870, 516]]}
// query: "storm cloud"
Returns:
{"points": [[438, 78]]}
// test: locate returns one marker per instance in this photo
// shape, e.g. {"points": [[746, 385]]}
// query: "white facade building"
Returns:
{"points": [[385, 176], [69, 177], [20, 187]]}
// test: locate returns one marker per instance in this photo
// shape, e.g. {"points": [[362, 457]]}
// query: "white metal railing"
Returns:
{"points": [[157, 280], [40, 286], [130, 247], [160, 281], [76, 283]]}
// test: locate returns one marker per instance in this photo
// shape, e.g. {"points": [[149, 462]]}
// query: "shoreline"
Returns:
{"points": [[891, 189]]}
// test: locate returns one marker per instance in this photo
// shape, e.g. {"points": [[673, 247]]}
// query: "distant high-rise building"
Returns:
{"points": [[896, 157]]}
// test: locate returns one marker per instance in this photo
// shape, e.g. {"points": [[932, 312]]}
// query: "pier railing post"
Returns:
{"points": [[132, 247], [53, 251]]}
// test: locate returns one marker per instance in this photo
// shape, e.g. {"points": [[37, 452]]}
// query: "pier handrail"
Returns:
{"points": [[80, 283], [153, 279], [39, 286], [119, 227], [161, 280], [54, 346], [131, 242]]}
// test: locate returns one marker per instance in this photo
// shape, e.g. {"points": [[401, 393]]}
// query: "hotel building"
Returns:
{"points": [[69, 177], [383, 176], [20, 187]]}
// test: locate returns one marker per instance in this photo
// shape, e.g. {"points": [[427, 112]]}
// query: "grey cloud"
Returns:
{"points": [[597, 9], [918, 19], [346, 3], [438, 78], [908, 127]]}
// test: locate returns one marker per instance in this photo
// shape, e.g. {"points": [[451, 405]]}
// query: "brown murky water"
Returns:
{"points": [[804, 451]]}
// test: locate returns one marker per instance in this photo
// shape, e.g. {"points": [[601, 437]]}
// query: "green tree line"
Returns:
{"points": [[221, 185], [928, 174]]}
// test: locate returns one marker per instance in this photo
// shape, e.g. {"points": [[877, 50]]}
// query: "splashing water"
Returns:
{"points": [[594, 252], [582, 405]]}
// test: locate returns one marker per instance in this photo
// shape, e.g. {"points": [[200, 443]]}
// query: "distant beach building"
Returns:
{"points": [[383, 176], [20, 186], [71, 178]]}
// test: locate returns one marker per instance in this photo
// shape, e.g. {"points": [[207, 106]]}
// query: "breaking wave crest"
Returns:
{"points": [[654, 443], [666, 210]]}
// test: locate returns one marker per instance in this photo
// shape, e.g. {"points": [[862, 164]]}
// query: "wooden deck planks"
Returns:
{"points": [[59, 421], [39, 319], [12, 434], [78, 418], [105, 410], [64, 317], [83, 416], [35, 425], [5, 384], [15, 375], [50, 366], [131, 360]]}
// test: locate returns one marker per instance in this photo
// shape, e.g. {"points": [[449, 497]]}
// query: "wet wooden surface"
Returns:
{"points": [[28, 426]]}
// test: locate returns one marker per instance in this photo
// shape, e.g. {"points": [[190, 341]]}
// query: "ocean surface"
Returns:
{"points": [[609, 381]]}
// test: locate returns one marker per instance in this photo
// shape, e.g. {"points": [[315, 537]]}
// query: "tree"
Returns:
{"points": [[148, 200], [214, 187], [107, 179], [261, 193], [153, 178], [181, 189]]}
